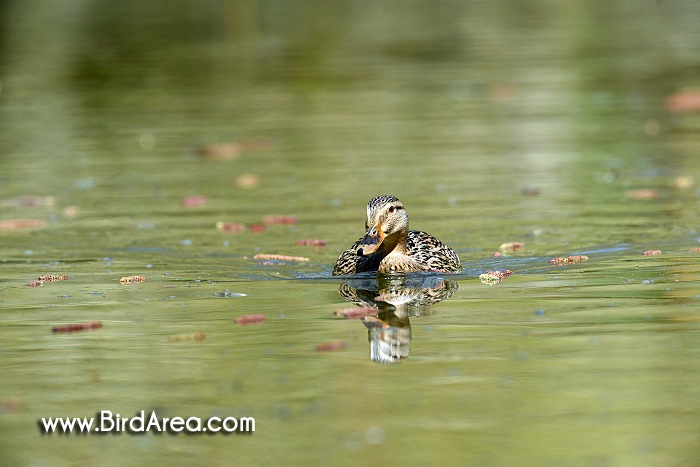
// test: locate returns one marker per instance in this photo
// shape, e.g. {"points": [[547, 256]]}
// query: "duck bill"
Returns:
{"points": [[373, 238]]}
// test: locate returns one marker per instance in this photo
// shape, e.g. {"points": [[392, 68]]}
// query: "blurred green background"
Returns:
{"points": [[129, 129]]}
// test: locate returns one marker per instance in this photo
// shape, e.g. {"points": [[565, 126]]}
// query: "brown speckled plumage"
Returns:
{"points": [[389, 247]]}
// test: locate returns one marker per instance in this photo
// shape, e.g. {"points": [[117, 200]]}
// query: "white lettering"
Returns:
{"points": [[141, 419], [50, 425], [106, 415], [230, 429], [214, 428], [153, 422], [198, 426], [247, 424], [177, 424], [140, 423]]}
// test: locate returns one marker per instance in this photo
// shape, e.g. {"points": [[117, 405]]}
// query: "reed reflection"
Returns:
{"points": [[398, 298]]}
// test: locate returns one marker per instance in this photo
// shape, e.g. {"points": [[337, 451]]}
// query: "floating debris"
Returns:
{"points": [[233, 149], [196, 337], [247, 320], [502, 92], [511, 247], [247, 181], [230, 227], [28, 201], [70, 212], [568, 260], [642, 193], [16, 224], [46, 278], [497, 254], [132, 279], [683, 101], [228, 294], [77, 327], [257, 228], [279, 220], [331, 346], [494, 277], [221, 151], [11, 404], [52, 278], [193, 201], [311, 242], [353, 313], [652, 252], [684, 181], [530, 191], [266, 257]]}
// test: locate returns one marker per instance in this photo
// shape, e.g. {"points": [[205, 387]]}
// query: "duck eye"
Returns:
{"points": [[392, 209]]}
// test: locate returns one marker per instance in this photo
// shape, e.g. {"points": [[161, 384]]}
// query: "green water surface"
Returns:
{"points": [[538, 122]]}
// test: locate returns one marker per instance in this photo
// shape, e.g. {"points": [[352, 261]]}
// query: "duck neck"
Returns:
{"points": [[395, 243]]}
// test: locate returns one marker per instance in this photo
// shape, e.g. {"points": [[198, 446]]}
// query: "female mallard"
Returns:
{"points": [[388, 246]]}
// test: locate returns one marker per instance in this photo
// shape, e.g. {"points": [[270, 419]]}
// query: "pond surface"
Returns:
{"points": [[176, 141]]}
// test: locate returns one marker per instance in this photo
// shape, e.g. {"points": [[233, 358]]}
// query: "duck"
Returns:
{"points": [[389, 247]]}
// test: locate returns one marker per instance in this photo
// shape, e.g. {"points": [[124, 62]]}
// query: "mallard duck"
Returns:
{"points": [[389, 247]]}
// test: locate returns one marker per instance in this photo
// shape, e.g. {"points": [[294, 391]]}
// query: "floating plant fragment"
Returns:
{"points": [[46, 278], [267, 257], [280, 220], [568, 260], [77, 327], [231, 150], [530, 191], [221, 151], [16, 224], [247, 320], [311, 242], [193, 201], [652, 252], [331, 346], [230, 227], [353, 313], [684, 181], [247, 181], [28, 201], [70, 212], [11, 404], [257, 228], [642, 193], [52, 278], [494, 277], [196, 337], [511, 247], [132, 279], [683, 101]]}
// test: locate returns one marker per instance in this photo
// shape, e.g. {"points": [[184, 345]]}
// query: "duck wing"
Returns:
{"points": [[431, 253]]}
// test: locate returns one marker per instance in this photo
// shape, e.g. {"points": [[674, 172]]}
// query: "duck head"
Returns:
{"points": [[386, 225]]}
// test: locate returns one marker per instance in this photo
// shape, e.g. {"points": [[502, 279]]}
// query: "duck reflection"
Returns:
{"points": [[398, 298]]}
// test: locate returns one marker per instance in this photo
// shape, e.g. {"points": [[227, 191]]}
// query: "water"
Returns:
{"points": [[537, 123]]}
